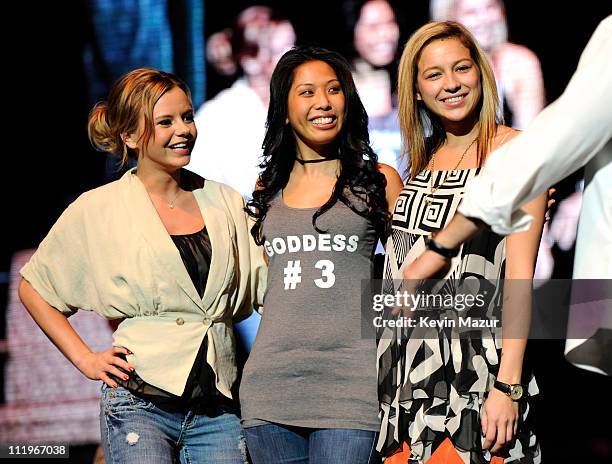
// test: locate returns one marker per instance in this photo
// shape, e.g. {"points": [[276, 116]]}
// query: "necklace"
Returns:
{"points": [[318, 160], [172, 202], [433, 190]]}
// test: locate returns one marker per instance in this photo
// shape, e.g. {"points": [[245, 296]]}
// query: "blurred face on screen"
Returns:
{"points": [[280, 37], [272, 39], [376, 33], [485, 19]]}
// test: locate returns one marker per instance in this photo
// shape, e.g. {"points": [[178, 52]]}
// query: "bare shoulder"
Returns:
{"points": [[390, 173], [503, 135], [386, 169], [394, 183]]}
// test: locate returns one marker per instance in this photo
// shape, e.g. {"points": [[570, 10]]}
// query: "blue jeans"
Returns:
{"points": [[135, 431], [276, 444]]}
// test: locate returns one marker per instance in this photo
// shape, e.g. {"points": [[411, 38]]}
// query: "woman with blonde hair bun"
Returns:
{"points": [[169, 254]]}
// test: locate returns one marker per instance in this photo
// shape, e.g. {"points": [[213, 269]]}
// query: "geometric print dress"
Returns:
{"points": [[432, 382]]}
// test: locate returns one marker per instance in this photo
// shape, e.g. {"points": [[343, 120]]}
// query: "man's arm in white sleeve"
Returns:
{"points": [[562, 138]]}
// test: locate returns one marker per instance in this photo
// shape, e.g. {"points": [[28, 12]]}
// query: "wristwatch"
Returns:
{"points": [[434, 246], [514, 391]]}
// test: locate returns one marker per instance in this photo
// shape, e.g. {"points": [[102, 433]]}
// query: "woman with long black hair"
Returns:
{"points": [[308, 392]]}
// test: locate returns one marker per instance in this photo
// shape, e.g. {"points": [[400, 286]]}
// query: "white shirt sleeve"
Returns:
{"points": [[562, 138]]}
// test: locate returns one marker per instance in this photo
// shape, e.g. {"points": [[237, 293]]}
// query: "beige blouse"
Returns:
{"points": [[110, 253]]}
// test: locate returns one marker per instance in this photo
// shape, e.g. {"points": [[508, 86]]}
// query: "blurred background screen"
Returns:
{"points": [[226, 52]]}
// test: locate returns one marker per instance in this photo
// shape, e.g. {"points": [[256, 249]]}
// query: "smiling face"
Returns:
{"points": [[174, 133], [448, 81], [377, 33], [485, 19], [315, 106]]}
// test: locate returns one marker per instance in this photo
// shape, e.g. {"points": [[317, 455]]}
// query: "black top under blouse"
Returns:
{"points": [[200, 393], [196, 253]]}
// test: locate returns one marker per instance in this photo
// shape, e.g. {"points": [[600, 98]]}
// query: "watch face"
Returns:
{"points": [[516, 392]]}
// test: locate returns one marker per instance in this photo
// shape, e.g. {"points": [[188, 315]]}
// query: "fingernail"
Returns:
{"points": [[125, 377], [114, 385]]}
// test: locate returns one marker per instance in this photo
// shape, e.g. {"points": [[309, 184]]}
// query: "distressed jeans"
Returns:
{"points": [[280, 444], [135, 431]]}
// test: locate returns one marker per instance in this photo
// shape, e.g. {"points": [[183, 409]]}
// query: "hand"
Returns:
{"points": [[98, 366], [549, 204], [563, 229], [499, 420]]}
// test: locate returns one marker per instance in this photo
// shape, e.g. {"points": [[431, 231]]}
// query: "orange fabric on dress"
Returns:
{"points": [[444, 454], [399, 457]]}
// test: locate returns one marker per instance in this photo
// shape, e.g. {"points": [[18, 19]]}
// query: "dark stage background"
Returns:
{"points": [[50, 161]]}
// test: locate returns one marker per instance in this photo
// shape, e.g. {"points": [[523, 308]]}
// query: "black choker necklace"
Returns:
{"points": [[318, 160]]}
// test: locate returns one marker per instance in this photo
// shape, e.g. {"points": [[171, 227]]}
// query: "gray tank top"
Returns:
{"points": [[310, 365]]}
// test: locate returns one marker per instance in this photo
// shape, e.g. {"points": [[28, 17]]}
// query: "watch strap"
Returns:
{"points": [[502, 387], [507, 389], [434, 246]]}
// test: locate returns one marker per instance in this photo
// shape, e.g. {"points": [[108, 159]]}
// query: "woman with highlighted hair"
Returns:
{"points": [[447, 395], [170, 254]]}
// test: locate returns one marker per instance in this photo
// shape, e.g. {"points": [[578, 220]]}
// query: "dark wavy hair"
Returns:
{"points": [[358, 163]]}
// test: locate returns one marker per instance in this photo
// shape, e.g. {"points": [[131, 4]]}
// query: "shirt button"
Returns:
{"points": [[180, 321], [206, 320]]}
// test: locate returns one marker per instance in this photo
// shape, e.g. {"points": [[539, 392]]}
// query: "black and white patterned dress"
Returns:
{"points": [[432, 385]]}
